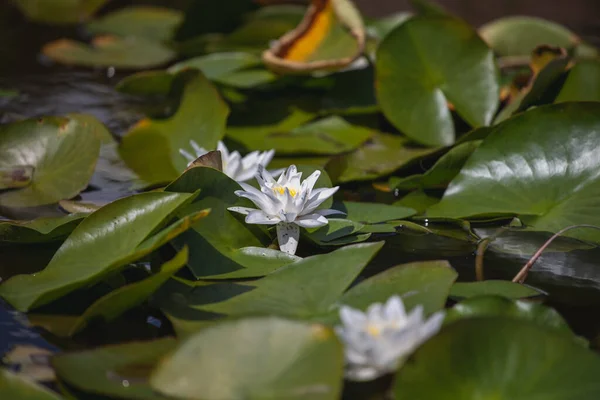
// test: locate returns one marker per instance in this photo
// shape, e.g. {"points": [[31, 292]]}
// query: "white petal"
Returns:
{"points": [[394, 310], [317, 197], [242, 210], [224, 152], [260, 200], [187, 155], [245, 174], [200, 151], [433, 325], [352, 317], [260, 217], [264, 178], [233, 165], [311, 221], [288, 236], [277, 172], [309, 182], [266, 157], [330, 211], [362, 373]]}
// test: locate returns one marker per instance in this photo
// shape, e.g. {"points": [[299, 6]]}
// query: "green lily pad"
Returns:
{"points": [[303, 289], [152, 23], [507, 289], [427, 62], [371, 213], [497, 306], [151, 148], [256, 358], [417, 200], [334, 230], [520, 35], [113, 236], [218, 65], [126, 297], [582, 84], [62, 152], [39, 230], [442, 172], [421, 283], [380, 156], [331, 135], [520, 169], [499, 358], [110, 51], [16, 177], [15, 387], [59, 11], [116, 371]]}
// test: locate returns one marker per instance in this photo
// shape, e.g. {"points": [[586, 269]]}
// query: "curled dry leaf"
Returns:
{"points": [[330, 37], [211, 159]]}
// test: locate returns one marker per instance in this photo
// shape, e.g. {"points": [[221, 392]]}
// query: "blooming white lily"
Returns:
{"points": [[379, 341], [287, 203], [235, 166]]}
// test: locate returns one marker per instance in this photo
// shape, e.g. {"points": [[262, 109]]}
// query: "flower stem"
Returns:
{"points": [[288, 236]]}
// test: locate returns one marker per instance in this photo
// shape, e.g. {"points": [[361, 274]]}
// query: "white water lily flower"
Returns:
{"points": [[286, 203], [379, 341], [235, 166]]}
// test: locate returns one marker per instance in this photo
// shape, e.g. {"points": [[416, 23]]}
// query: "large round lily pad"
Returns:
{"points": [[500, 358], [542, 165], [61, 151]]}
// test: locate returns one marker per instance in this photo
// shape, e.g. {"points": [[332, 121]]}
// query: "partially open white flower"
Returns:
{"points": [[379, 341], [235, 166], [287, 203]]}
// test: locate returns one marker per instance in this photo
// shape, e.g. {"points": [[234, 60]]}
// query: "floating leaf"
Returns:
{"points": [[442, 172], [255, 358], [507, 289], [126, 297], [497, 306], [380, 156], [151, 148], [39, 230], [15, 387], [62, 151], [116, 371], [59, 11], [427, 62], [525, 167], [420, 283], [330, 37], [520, 35], [582, 83], [417, 200], [112, 236], [331, 135], [499, 358], [152, 23], [304, 289], [110, 51], [334, 230]]}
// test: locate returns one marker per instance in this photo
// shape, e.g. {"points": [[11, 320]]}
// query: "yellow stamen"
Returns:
{"points": [[281, 190], [374, 330]]}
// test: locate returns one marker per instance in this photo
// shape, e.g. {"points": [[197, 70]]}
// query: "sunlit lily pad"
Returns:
{"points": [[110, 51], [112, 236], [61, 151], [254, 358], [521, 169], [500, 358], [151, 147], [153, 23], [427, 62]]}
